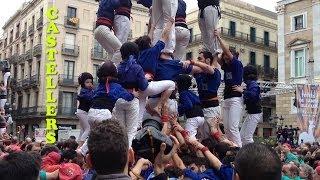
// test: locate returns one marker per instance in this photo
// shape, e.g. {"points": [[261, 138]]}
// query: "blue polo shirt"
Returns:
{"points": [[233, 73], [224, 173], [208, 84], [170, 69], [148, 59], [131, 75]]}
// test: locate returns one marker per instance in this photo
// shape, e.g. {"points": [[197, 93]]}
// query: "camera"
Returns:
{"points": [[147, 142]]}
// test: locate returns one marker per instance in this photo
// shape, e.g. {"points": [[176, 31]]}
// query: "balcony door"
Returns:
{"points": [[70, 42]]}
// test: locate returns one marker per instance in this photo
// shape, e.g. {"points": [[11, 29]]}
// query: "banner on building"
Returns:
{"points": [[40, 134], [307, 97], [64, 134]]}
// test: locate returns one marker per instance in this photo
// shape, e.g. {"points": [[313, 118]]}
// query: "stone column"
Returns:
{"points": [[281, 44]]}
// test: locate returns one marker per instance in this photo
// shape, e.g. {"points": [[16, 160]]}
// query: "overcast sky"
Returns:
{"points": [[9, 7]]}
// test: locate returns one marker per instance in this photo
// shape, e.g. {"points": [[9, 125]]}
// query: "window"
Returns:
{"points": [[138, 26], [253, 58], [67, 98], [17, 30], [72, 12], [70, 41], [31, 43], [22, 71], [11, 36], [39, 38], [266, 64], [41, 13], [266, 38], [17, 49], [32, 20], [252, 34], [36, 98], [20, 100], [38, 68], [24, 48], [30, 69], [191, 35], [298, 64], [25, 26], [68, 69], [95, 70], [28, 100], [15, 73], [232, 28], [189, 56], [299, 22]]}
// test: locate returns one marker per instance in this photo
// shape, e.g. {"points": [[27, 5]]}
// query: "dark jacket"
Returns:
{"points": [[106, 98], [85, 98], [131, 75], [189, 104], [113, 176], [105, 15], [252, 98]]}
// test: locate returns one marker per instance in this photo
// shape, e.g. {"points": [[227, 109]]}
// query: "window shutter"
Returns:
{"points": [[304, 62], [60, 101], [292, 23], [292, 64], [305, 20]]}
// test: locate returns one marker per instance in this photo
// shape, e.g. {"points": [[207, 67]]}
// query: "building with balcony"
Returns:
{"points": [[252, 31], [78, 52], [299, 50]]}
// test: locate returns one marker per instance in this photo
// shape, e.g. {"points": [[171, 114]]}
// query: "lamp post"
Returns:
{"points": [[281, 121]]}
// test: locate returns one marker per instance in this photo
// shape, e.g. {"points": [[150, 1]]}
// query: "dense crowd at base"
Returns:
{"points": [[188, 159]]}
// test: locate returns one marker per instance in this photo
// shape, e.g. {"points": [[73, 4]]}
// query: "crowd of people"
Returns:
{"points": [[130, 125]]}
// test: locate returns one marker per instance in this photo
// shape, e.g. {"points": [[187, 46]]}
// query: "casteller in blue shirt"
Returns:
{"points": [[252, 98], [106, 98], [208, 86], [148, 58], [224, 173], [85, 98], [233, 73], [131, 75], [170, 69]]}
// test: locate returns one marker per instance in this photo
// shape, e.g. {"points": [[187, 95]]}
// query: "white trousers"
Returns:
{"points": [[2, 103], [154, 88], [172, 107], [2, 131], [127, 113], [249, 127], [109, 42], [122, 26], [204, 131], [162, 11], [182, 41], [98, 115], [207, 24], [84, 124], [232, 112], [5, 78], [192, 125]]}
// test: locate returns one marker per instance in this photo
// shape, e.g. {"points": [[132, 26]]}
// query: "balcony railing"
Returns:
{"points": [[29, 112], [34, 81], [31, 30], [19, 85], [70, 50], [26, 83], [40, 23], [14, 58], [28, 56], [24, 35], [235, 35], [37, 50], [21, 58], [246, 37], [71, 22], [66, 80], [67, 111], [98, 54]]}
